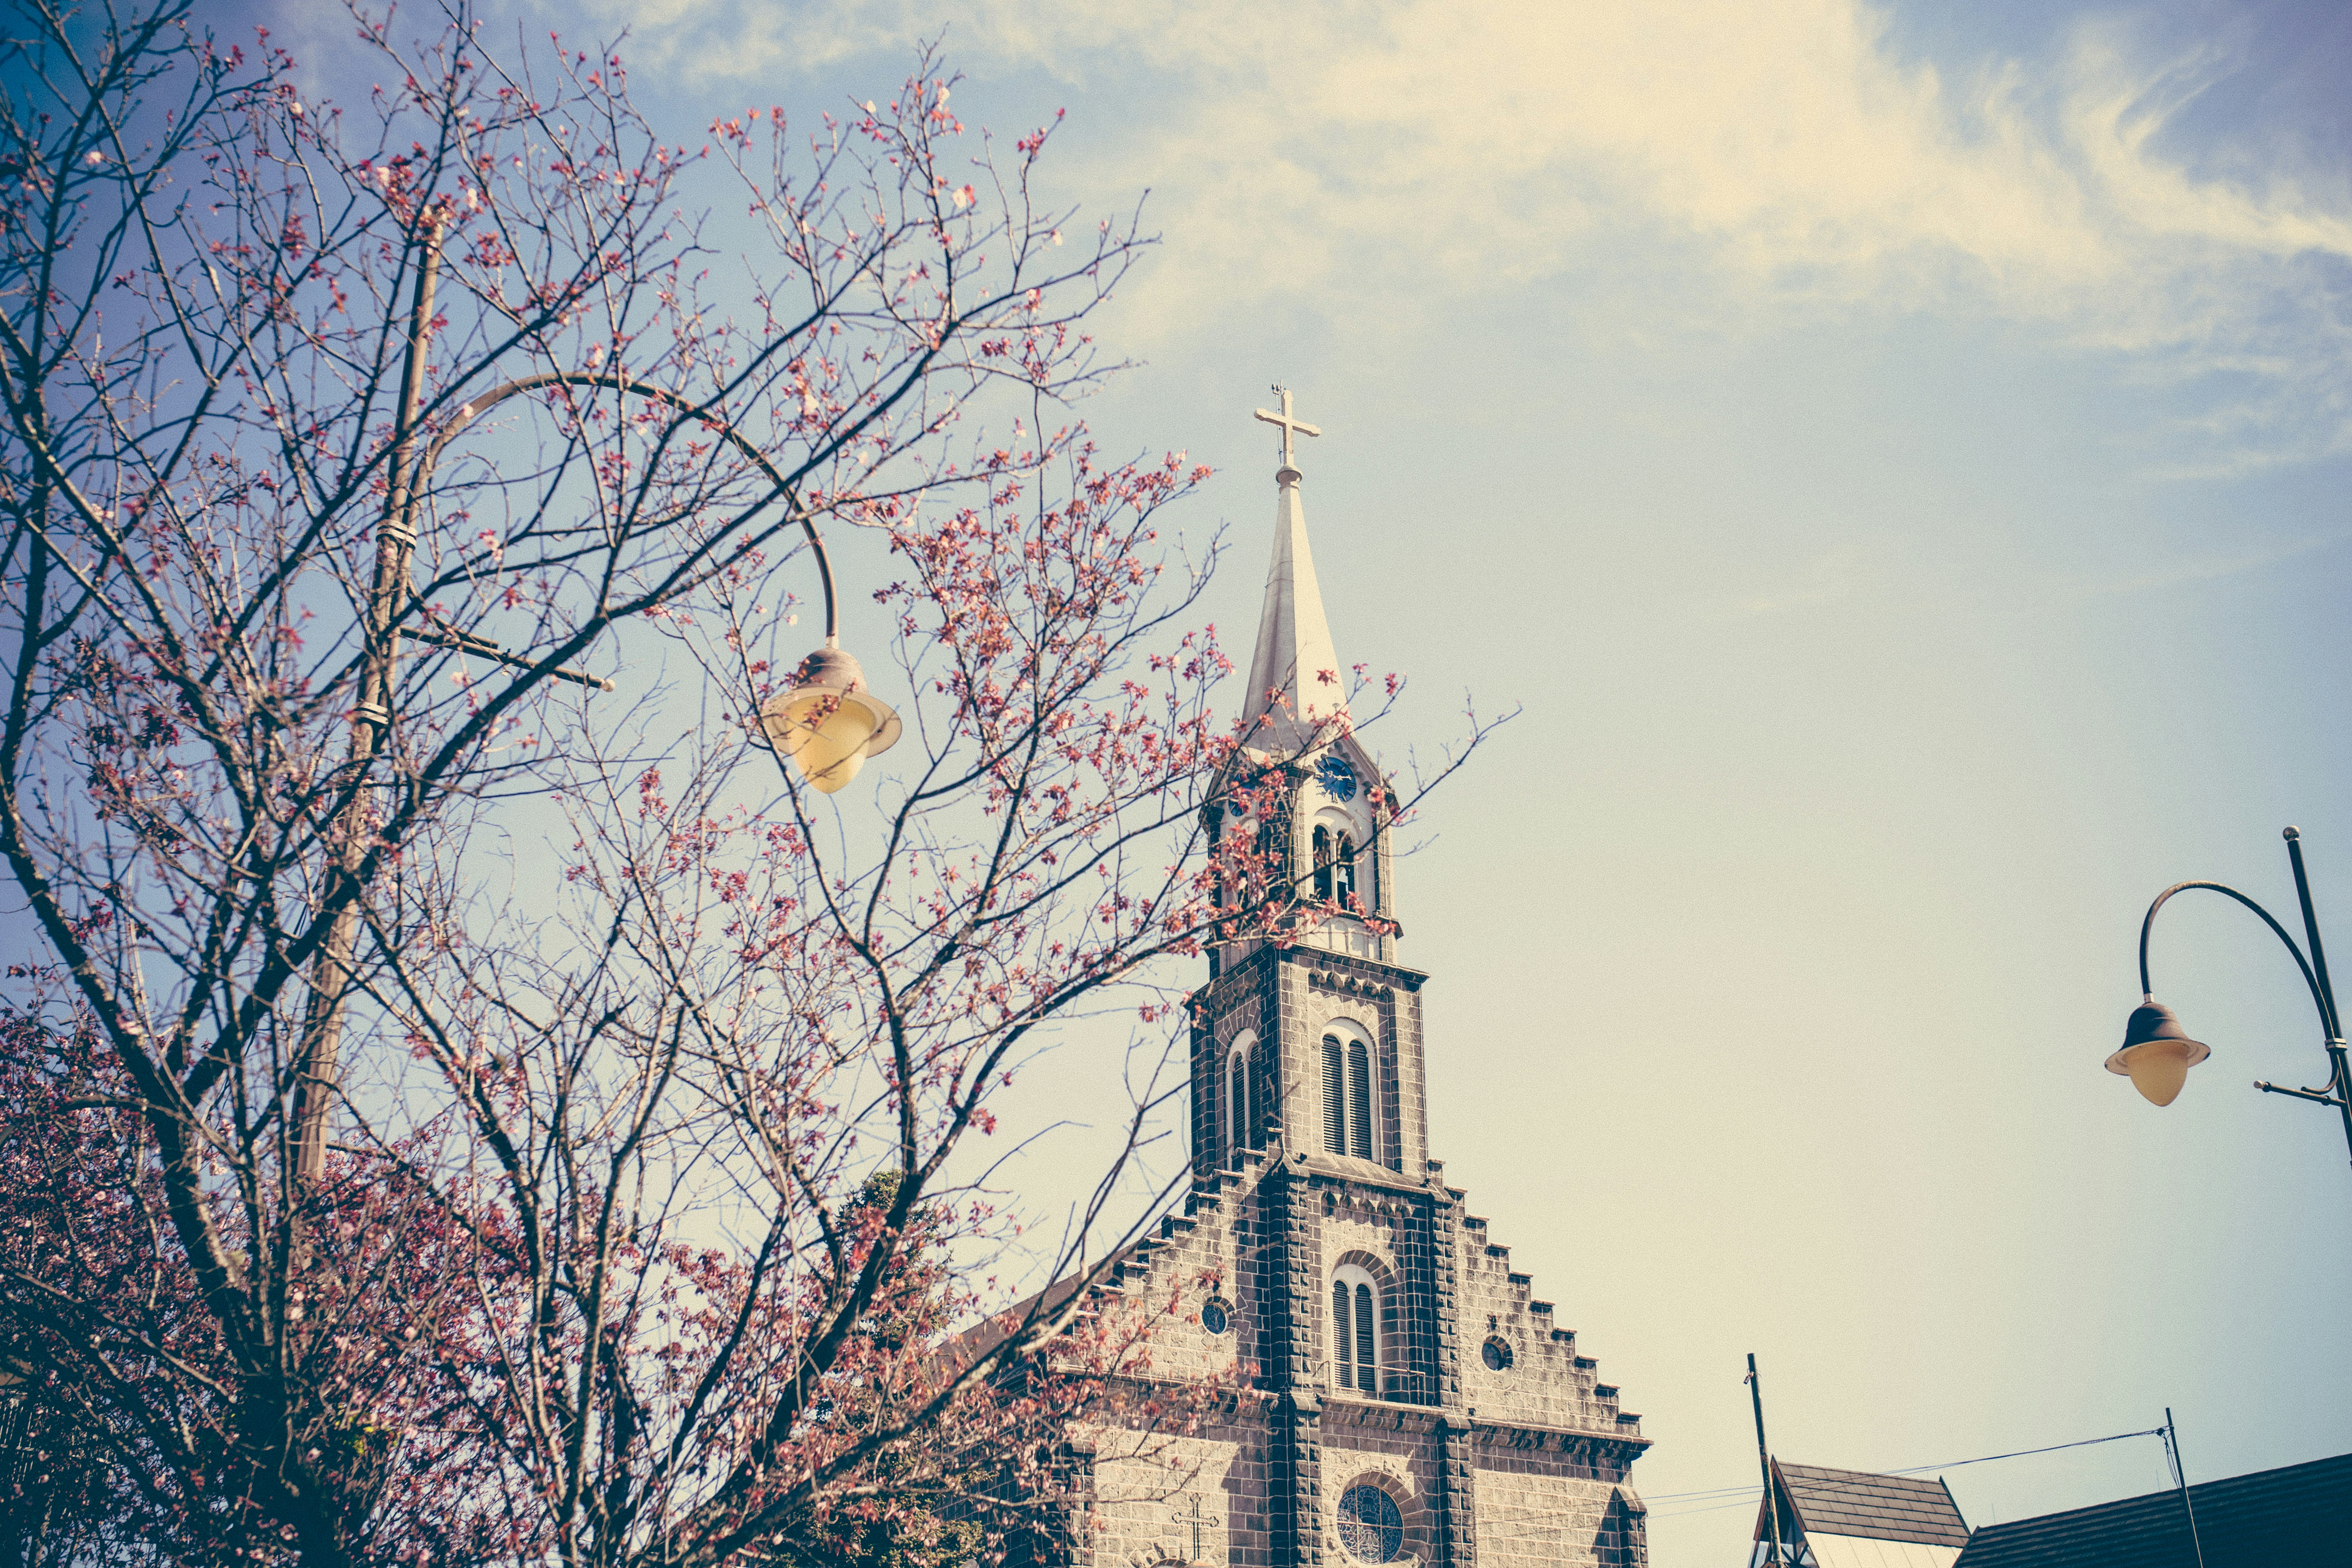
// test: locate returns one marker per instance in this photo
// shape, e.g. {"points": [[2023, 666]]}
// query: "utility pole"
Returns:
{"points": [[1764, 1460], [2180, 1476], [395, 547]]}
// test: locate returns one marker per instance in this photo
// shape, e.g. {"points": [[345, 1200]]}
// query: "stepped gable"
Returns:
{"points": [[1565, 1392]]}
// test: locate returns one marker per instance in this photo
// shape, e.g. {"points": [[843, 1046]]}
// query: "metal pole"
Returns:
{"points": [[322, 1024], [2180, 1480], [1764, 1460], [2339, 1076], [2294, 837]]}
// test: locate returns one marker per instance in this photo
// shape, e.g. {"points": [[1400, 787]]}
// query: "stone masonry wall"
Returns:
{"points": [[1192, 1500], [1530, 1516]]}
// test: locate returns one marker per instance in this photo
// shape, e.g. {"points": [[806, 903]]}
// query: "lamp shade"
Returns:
{"points": [[2156, 1053], [827, 721]]}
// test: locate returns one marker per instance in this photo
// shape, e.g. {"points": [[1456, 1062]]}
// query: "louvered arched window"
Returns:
{"points": [[1237, 1099], [1359, 1100], [1355, 1331], [1348, 1098]]}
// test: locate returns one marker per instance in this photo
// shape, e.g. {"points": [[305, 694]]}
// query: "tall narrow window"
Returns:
{"points": [[1323, 863], [1237, 1102], [1355, 1330], [1335, 1091], [1359, 1100], [1343, 1370], [1343, 872]]}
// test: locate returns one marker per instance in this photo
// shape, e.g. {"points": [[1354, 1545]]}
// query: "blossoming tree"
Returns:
{"points": [[450, 1113]]}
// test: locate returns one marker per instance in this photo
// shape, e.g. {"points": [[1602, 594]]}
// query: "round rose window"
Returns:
{"points": [[1216, 1314], [1496, 1354], [1370, 1526]]}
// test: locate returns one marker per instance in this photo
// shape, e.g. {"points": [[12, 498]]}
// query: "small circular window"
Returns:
{"points": [[1216, 1315], [1496, 1354], [1370, 1528]]}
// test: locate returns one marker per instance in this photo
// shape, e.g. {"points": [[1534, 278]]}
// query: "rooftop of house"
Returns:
{"points": [[1859, 1504], [2299, 1515]]}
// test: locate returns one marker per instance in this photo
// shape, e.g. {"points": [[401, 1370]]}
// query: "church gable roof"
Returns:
{"points": [[1873, 1507]]}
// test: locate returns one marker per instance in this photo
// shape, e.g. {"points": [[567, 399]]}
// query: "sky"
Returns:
{"points": [[1892, 461]]}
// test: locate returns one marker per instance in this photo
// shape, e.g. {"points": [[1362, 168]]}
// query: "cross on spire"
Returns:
{"points": [[1288, 425]]}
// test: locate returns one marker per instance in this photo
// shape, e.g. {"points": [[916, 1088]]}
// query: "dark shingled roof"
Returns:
{"points": [[1877, 1507], [2299, 1517]]}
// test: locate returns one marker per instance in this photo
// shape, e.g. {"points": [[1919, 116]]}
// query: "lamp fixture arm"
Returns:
{"points": [[2319, 997], [474, 408]]}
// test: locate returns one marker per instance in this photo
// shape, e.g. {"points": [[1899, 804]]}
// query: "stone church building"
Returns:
{"points": [[1412, 1402]]}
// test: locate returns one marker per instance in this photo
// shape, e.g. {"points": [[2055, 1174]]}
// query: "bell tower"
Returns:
{"points": [[1304, 819], [1403, 1400]]}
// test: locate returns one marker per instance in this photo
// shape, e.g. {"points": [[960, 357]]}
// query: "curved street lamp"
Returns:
{"points": [[2158, 1052], [828, 721]]}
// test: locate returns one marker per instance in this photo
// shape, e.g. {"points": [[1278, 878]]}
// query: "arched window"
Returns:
{"points": [[1335, 1096], [1348, 1098], [1343, 871], [1238, 1099], [1323, 866], [1355, 1331], [1359, 1100]]}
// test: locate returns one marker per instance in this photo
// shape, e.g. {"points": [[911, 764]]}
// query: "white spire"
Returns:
{"points": [[1294, 658]]}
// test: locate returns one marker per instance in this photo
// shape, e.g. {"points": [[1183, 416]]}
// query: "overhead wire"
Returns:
{"points": [[1737, 1495]]}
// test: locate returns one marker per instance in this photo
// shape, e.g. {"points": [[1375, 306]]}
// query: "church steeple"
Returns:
{"points": [[1326, 831], [1296, 685], [1408, 1402]]}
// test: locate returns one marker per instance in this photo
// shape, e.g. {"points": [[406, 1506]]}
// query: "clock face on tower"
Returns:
{"points": [[1337, 777]]}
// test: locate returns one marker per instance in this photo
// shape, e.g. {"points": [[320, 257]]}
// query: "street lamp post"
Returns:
{"points": [[828, 722], [2157, 1051]]}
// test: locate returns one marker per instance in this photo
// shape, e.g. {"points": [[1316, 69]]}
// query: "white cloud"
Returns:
{"points": [[1378, 150]]}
